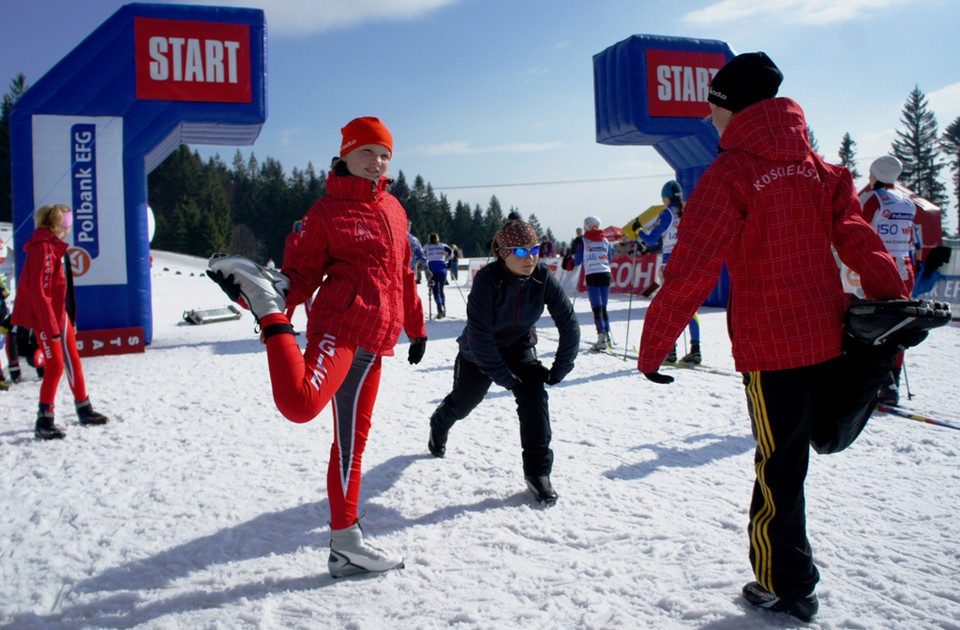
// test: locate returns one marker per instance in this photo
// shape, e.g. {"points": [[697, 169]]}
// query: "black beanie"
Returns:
{"points": [[745, 80]]}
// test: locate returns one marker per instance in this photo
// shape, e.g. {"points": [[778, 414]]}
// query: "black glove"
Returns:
{"points": [[417, 348], [551, 378], [532, 373], [231, 288], [659, 378]]}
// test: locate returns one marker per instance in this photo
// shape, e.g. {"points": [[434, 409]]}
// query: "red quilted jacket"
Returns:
{"points": [[771, 209], [353, 251], [42, 287]]}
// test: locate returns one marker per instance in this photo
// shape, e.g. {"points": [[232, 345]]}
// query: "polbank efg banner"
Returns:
{"points": [[78, 161]]}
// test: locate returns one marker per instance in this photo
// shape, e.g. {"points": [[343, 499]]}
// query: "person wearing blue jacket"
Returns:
{"points": [[665, 228], [498, 345], [438, 255]]}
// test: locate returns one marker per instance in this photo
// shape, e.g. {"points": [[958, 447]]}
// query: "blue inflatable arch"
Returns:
{"points": [[652, 90], [150, 78]]}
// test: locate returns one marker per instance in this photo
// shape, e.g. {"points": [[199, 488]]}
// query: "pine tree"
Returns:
{"points": [[813, 140], [17, 87], [848, 155], [918, 149], [950, 142]]}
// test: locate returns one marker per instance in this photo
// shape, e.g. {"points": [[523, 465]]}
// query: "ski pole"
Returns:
{"points": [[633, 266], [906, 381]]}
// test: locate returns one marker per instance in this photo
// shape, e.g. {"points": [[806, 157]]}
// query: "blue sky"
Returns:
{"points": [[495, 97]]}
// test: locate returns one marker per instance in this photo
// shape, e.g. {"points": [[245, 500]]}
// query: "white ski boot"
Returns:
{"points": [[350, 555], [601, 344], [263, 290]]}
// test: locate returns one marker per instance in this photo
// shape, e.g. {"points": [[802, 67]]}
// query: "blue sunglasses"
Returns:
{"points": [[522, 252]]}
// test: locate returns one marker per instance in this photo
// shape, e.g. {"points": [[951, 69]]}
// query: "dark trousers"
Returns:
{"points": [[470, 386], [824, 405]]}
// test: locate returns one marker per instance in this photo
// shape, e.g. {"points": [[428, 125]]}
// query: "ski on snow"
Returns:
{"points": [[910, 414], [694, 367]]}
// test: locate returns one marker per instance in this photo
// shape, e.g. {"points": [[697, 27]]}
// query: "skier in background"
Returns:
{"points": [[438, 254], [418, 262], [664, 233], [891, 213], [595, 254]]}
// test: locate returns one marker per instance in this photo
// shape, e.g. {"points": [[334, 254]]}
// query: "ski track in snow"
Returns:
{"points": [[199, 506]]}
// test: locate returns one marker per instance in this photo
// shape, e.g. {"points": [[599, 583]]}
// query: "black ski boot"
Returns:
{"points": [[441, 311], [889, 395], [89, 417], [803, 608], [672, 357], [693, 356], [45, 428], [890, 326]]}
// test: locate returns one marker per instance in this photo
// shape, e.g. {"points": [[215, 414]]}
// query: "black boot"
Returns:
{"points": [[88, 416], [542, 489], [441, 311], [45, 428], [438, 442], [693, 356], [889, 395]]}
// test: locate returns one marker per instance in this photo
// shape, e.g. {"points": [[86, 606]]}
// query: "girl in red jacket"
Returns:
{"points": [[353, 253], [41, 304]]}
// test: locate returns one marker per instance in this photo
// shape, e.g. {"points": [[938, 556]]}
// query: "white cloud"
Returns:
{"points": [[461, 147], [784, 12], [945, 103], [307, 17], [532, 74]]}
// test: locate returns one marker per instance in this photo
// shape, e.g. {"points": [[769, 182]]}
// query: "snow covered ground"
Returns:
{"points": [[199, 506]]}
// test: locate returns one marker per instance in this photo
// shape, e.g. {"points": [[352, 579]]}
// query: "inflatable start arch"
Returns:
{"points": [[652, 90], [150, 78]]}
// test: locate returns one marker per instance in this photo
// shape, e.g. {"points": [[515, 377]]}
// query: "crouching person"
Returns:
{"points": [[498, 345]]}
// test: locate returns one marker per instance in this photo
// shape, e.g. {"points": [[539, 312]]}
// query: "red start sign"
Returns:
{"points": [[678, 82], [94, 343], [178, 60]]}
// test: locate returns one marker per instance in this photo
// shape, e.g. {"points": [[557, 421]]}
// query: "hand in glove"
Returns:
{"points": [[417, 348], [231, 288], [657, 377], [533, 372]]}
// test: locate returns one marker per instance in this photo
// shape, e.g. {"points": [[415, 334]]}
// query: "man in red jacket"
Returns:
{"points": [[353, 254], [771, 208]]}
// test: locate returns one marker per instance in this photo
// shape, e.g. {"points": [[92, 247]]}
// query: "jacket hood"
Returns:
{"points": [[43, 235], [774, 129]]}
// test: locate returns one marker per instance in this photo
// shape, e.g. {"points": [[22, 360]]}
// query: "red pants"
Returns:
{"points": [[302, 387], [61, 353]]}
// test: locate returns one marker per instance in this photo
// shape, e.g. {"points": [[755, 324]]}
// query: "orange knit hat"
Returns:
{"points": [[365, 130]]}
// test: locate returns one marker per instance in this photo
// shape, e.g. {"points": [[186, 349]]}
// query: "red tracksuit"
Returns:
{"points": [[41, 306], [353, 253]]}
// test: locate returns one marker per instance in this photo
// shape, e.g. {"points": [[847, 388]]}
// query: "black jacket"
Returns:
{"points": [[502, 312]]}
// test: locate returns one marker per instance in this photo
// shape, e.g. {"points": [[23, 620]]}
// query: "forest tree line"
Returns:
{"points": [[250, 207]]}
